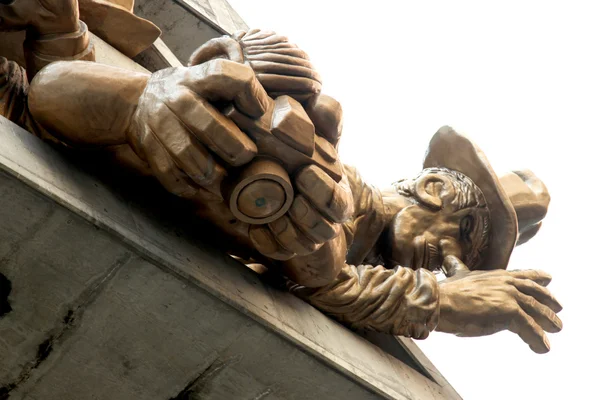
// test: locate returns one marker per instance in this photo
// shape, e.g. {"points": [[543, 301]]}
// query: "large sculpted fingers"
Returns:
{"points": [[163, 167], [326, 114], [216, 48], [224, 80], [264, 241], [310, 221], [280, 84], [542, 315], [290, 237], [530, 332], [332, 199], [539, 292], [198, 140], [185, 150], [539, 277], [213, 129], [486, 302]]}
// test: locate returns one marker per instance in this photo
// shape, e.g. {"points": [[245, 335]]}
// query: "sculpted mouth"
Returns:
{"points": [[434, 260]]}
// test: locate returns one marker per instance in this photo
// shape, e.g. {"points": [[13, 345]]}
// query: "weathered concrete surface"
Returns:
{"points": [[111, 299], [217, 12], [157, 57], [183, 31]]}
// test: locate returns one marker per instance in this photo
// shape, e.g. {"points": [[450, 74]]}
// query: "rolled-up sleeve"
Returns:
{"points": [[398, 301], [13, 90]]}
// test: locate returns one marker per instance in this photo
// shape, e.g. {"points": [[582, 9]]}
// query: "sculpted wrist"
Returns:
{"points": [[41, 50]]}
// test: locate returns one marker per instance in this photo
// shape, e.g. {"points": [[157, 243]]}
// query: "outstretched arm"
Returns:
{"points": [[400, 301], [411, 303]]}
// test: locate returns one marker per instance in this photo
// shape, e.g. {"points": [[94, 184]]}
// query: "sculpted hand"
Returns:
{"points": [[321, 204], [319, 208], [177, 130], [43, 16], [486, 302]]}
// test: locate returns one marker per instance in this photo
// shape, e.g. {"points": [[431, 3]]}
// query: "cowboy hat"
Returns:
{"points": [[517, 201]]}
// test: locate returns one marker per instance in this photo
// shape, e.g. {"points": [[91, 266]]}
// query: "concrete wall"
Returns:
{"points": [[183, 31]]}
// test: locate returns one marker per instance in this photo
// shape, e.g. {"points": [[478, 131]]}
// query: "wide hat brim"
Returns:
{"points": [[452, 150]]}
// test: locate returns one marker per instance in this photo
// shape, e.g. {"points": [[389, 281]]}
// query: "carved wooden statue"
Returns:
{"points": [[244, 133]]}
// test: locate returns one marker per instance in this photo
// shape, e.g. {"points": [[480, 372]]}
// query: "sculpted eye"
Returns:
{"points": [[466, 227]]}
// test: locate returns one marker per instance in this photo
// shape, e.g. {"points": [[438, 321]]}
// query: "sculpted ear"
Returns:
{"points": [[434, 190]]}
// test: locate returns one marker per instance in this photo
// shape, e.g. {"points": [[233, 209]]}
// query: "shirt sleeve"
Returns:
{"points": [[368, 222], [39, 52], [397, 301], [13, 90], [43, 50]]}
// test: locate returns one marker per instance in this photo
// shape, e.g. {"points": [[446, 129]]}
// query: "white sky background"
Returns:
{"points": [[520, 77]]}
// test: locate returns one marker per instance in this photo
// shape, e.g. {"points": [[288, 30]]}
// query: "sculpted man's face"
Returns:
{"points": [[448, 217]]}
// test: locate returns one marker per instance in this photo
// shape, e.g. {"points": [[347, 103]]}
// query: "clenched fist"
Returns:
{"points": [[178, 131]]}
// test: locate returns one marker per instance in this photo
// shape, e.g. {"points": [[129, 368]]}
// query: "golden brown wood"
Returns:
{"points": [[363, 255], [261, 193], [260, 131], [326, 114], [292, 126]]}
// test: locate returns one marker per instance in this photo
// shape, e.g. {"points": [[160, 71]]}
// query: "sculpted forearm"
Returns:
{"points": [[400, 301], [84, 103]]}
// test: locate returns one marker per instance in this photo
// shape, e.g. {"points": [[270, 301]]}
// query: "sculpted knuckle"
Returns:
{"points": [[507, 280], [229, 71], [160, 110], [508, 291], [183, 150], [215, 66], [513, 309], [181, 99]]}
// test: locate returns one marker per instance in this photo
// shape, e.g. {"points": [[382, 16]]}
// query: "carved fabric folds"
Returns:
{"points": [[14, 88], [397, 301], [368, 222]]}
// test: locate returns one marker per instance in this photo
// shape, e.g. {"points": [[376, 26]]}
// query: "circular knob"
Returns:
{"points": [[261, 193]]}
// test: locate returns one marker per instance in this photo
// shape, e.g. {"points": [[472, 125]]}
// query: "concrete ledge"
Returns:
{"points": [[111, 300], [183, 30]]}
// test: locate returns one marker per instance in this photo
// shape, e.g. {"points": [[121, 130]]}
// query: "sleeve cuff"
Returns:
{"points": [[43, 50]]}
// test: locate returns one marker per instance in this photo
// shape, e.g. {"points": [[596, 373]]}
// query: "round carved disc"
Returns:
{"points": [[261, 193], [261, 199]]}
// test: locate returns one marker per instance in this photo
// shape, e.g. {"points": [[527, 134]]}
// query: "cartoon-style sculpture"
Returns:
{"points": [[244, 133]]}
